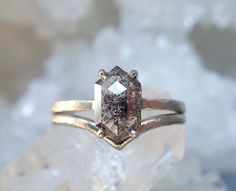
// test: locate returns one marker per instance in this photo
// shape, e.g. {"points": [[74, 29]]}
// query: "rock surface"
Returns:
{"points": [[78, 160]]}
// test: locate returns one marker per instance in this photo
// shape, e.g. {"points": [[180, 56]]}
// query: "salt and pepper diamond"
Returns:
{"points": [[118, 104]]}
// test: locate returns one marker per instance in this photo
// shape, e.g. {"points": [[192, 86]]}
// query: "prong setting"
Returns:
{"points": [[101, 133], [134, 74], [102, 74], [133, 133]]}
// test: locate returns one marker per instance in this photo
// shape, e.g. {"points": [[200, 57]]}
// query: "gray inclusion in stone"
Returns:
{"points": [[118, 104]]}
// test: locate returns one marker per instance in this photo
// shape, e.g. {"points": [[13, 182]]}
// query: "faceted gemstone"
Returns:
{"points": [[118, 104]]}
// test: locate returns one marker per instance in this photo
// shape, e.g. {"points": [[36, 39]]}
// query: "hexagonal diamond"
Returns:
{"points": [[118, 104]]}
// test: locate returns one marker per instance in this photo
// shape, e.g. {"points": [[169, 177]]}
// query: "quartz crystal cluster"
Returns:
{"points": [[147, 35]]}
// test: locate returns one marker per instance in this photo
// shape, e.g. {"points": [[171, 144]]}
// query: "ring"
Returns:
{"points": [[117, 107]]}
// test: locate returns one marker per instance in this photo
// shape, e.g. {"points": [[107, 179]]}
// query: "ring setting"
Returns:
{"points": [[117, 107]]}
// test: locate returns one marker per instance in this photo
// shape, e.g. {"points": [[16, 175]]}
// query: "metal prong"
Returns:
{"points": [[134, 74], [101, 133], [102, 74], [133, 133]]}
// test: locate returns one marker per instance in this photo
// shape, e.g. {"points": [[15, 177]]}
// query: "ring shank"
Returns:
{"points": [[86, 105], [72, 106], [164, 104], [64, 113]]}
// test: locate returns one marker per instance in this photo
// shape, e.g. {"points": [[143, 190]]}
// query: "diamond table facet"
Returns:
{"points": [[117, 88]]}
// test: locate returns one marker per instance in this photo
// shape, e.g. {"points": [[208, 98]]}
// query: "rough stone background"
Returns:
{"points": [[34, 33]]}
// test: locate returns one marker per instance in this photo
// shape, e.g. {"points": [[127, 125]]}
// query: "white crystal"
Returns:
{"points": [[77, 159], [152, 37], [53, 18], [117, 88], [71, 11], [189, 175]]}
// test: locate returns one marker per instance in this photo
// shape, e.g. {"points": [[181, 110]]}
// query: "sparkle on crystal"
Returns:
{"points": [[117, 88]]}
